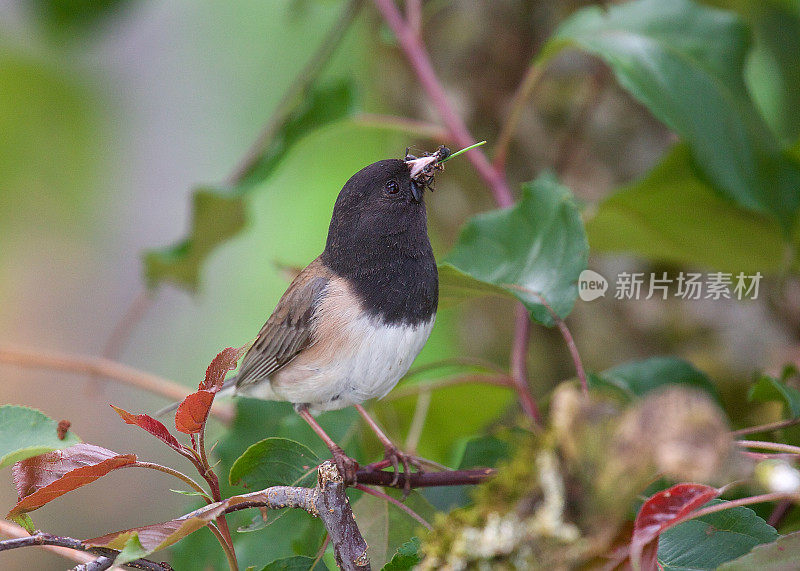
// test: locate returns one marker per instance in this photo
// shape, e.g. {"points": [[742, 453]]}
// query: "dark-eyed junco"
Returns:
{"points": [[352, 322]]}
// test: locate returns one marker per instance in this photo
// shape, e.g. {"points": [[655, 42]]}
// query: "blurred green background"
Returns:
{"points": [[111, 112]]}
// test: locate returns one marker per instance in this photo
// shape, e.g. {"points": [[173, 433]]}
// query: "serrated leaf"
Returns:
{"points": [[673, 215], [41, 479], [275, 462], [708, 541], [532, 251], [220, 214], [776, 556], [406, 557], [387, 528], [685, 63], [151, 425], [658, 513], [26, 432], [636, 378], [767, 389]]}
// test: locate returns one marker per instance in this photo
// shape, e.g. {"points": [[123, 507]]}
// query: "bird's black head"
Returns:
{"points": [[378, 238], [378, 202]]}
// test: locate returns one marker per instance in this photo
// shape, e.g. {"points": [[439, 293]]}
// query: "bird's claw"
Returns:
{"points": [[397, 457], [348, 468]]}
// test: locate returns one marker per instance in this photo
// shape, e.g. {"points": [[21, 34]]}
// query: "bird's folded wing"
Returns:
{"points": [[289, 329]]}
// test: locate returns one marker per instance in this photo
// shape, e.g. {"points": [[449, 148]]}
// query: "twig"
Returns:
{"points": [[416, 388], [455, 362], [779, 513], [525, 88], [100, 564], [776, 446], [425, 479], [418, 420], [766, 427], [419, 60], [296, 91], [519, 364], [398, 504], [89, 365], [763, 498], [172, 472], [40, 538], [414, 126], [15, 531]]}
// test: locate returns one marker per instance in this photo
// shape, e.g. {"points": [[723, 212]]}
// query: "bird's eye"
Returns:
{"points": [[392, 187]]}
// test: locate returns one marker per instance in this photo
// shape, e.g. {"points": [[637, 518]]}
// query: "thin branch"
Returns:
{"points": [[296, 92], [418, 58], [89, 365], [776, 446], [415, 127], [524, 90], [44, 539], [398, 504], [124, 328], [455, 362], [763, 498], [416, 388], [519, 364], [172, 472], [100, 564], [418, 421], [565, 333], [425, 479], [227, 548], [334, 510], [15, 531], [766, 427]]}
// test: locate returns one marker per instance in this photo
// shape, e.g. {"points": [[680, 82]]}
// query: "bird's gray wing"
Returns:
{"points": [[289, 329]]}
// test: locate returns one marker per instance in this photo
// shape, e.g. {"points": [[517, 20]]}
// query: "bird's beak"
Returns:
{"points": [[417, 190]]}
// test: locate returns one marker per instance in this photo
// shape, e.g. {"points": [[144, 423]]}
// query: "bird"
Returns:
{"points": [[351, 323]]}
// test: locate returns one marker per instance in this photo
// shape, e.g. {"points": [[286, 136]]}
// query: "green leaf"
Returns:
{"points": [[776, 556], [533, 251], [772, 72], [685, 63], [26, 432], [673, 215], [767, 389], [385, 527], [220, 214], [635, 378], [297, 563], [132, 550], [484, 452], [275, 462], [709, 541], [406, 556]]}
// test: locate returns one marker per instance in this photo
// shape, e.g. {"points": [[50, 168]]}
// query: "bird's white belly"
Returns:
{"points": [[367, 365]]}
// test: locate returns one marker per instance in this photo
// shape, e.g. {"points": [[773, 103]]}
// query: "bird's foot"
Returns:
{"points": [[346, 465], [395, 457]]}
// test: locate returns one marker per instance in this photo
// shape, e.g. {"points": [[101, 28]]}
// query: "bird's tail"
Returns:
{"points": [[228, 389]]}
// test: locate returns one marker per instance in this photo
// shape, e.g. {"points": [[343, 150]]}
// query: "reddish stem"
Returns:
{"points": [[519, 363], [417, 56]]}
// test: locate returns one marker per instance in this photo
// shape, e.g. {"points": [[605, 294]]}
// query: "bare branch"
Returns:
{"points": [[89, 365], [45, 539], [425, 479]]}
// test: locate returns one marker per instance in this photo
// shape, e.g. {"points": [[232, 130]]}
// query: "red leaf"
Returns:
{"points": [[193, 412], [43, 478], [224, 361], [659, 513], [151, 425], [160, 535]]}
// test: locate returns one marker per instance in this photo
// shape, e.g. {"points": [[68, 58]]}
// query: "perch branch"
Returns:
{"points": [[425, 479], [47, 539]]}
